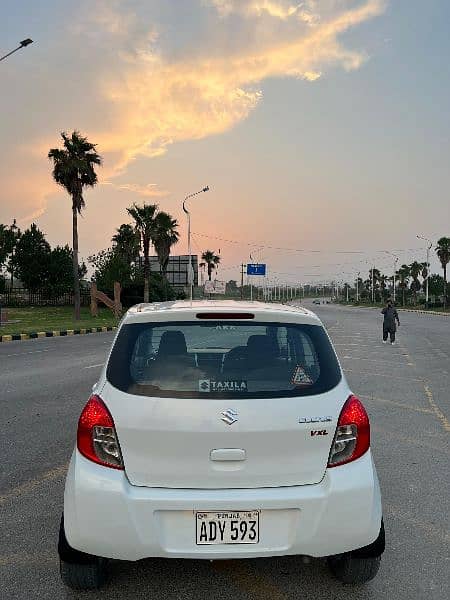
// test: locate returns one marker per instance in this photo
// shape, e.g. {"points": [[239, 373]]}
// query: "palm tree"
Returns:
{"points": [[211, 260], [164, 237], [144, 218], [415, 269], [383, 279], [443, 252], [73, 169], [126, 242], [403, 275]]}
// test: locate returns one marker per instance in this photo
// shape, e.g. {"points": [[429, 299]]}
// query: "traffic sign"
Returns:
{"points": [[256, 269]]}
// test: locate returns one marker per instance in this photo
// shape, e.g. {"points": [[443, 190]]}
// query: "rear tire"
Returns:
{"points": [[351, 569], [83, 576], [79, 570]]}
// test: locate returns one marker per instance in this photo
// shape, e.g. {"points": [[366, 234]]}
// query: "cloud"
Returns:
{"points": [[156, 102], [150, 190], [136, 89]]}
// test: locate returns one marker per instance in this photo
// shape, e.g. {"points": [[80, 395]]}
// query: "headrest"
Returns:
{"points": [[172, 343], [261, 349]]}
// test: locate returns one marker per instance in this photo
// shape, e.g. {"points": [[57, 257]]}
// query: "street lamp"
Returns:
{"points": [[23, 44], [190, 269], [396, 259], [420, 237]]}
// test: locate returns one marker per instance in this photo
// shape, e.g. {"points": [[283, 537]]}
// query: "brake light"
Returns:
{"points": [[96, 435], [352, 437]]}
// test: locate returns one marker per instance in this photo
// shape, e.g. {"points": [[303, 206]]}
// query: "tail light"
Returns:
{"points": [[96, 435], [352, 437]]}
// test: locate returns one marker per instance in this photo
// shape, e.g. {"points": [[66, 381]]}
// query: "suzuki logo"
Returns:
{"points": [[230, 416]]}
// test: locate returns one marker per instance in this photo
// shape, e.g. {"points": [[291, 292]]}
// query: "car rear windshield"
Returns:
{"points": [[217, 359]]}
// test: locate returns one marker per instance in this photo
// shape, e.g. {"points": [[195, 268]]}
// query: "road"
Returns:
{"points": [[44, 384]]}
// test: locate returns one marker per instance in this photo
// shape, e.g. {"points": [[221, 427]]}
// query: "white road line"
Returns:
{"points": [[94, 366], [24, 353]]}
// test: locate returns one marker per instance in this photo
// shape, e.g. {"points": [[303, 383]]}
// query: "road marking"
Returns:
{"points": [[94, 366], [23, 353], [30, 486], [258, 586], [398, 437], [382, 375], [435, 408], [387, 362], [406, 517], [395, 403]]}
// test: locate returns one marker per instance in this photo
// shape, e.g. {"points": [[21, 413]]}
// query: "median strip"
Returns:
{"points": [[17, 337]]}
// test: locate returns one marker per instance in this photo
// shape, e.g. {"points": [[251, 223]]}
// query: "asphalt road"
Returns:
{"points": [[44, 384]]}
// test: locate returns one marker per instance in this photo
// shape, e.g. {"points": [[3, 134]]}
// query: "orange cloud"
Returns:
{"points": [[156, 102], [142, 98]]}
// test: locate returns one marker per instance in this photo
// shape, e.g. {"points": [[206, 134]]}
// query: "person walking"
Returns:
{"points": [[389, 322]]}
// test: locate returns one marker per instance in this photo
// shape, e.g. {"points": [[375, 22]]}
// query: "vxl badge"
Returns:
{"points": [[230, 416]]}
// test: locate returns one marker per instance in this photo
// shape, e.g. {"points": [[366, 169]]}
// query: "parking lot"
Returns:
{"points": [[44, 384]]}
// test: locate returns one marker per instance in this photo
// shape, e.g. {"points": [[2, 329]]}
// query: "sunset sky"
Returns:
{"points": [[322, 127]]}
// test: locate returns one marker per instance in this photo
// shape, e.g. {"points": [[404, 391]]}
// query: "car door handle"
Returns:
{"points": [[225, 454]]}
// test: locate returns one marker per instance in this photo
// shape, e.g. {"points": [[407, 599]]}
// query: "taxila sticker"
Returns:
{"points": [[301, 377], [223, 385]]}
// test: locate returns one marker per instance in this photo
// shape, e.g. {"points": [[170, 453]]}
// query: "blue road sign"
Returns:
{"points": [[256, 269]]}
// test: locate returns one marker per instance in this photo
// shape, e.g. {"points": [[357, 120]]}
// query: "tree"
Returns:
{"points": [[9, 236], [59, 270], [126, 242], [443, 252], [164, 237], [435, 285], [7, 243], [110, 266], [74, 169], [144, 218], [415, 269], [403, 275], [211, 260], [32, 258]]}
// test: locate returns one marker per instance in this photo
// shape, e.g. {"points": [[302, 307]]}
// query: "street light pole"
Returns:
{"points": [[190, 269], [430, 244], [23, 44], [396, 259]]}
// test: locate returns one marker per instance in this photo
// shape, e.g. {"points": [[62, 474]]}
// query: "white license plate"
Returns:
{"points": [[227, 527]]}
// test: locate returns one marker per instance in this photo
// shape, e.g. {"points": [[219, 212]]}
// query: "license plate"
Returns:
{"points": [[227, 527]]}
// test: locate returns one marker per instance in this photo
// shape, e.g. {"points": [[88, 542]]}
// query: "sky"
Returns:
{"points": [[322, 127]]}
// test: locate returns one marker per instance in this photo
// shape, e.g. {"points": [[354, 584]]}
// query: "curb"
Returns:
{"points": [[17, 337], [410, 310]]}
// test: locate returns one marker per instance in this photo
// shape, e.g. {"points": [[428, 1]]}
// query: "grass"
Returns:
{"points": [[34, 319]]}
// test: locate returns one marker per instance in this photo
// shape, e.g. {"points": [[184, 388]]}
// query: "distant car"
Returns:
{"points": [[316, 301], [221, 430]]}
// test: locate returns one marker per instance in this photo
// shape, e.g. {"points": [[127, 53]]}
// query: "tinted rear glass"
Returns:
{"points": [[222, 360]]}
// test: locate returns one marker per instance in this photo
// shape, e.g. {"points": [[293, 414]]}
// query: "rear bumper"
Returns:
{"points": [[106, 516]]}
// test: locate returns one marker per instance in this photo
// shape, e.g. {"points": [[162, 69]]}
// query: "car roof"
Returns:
{"points": [[186, 310]]}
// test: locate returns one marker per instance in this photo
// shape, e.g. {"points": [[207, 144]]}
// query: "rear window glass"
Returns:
{"points": [[222, 360]]}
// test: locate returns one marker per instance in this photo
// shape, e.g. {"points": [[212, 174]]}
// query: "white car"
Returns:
{"points": [[221, 430]]}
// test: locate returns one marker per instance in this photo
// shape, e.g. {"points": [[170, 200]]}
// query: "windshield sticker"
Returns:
{"points": [[224, 385], [300, 377]]}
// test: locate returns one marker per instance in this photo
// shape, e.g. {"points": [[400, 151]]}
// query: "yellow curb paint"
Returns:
{"points": [[436, 410], [82, 331], [104, 329], [6, 338], [70, 332], [24, 336], [41, 334], [55, 333]]}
